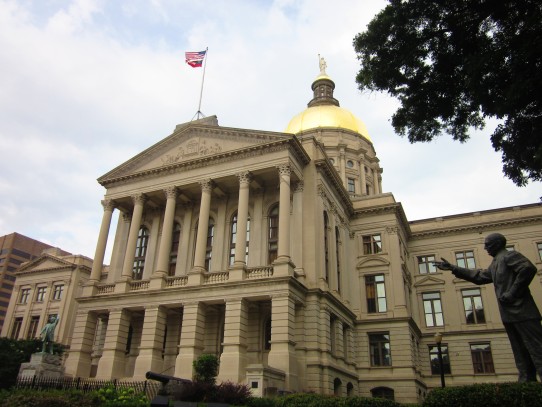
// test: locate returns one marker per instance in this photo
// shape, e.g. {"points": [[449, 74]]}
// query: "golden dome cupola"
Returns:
{"points": [[324, 111]]}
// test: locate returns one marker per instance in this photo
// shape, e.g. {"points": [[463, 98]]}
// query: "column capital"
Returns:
{"points": [[206, 185], [244, 177], [299, 186], [108, 205], [170, 192], [284, 169], [139, 199]]}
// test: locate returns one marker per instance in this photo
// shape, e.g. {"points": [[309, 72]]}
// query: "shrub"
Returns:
{"points": [[112, 396], [49, 398], [487, 395], [206, 368], [232, 393]]}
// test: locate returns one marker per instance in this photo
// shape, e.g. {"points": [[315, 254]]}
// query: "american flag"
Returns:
{"points": [[195, 59]]}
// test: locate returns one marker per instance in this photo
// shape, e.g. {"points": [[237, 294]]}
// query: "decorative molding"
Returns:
{"points": [[108, 205], [171, 192], [206, 185], [284, 170], [139, 199], [299, 186], [244, 177]]}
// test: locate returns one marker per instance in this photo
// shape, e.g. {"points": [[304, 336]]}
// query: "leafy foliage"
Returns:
{"points": [[206, 368], [13, 353], [454, 64], [112, 396], [48, 398], [487, 395]]}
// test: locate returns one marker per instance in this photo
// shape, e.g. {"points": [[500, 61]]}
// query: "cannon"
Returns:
{"points": [[162, 398], [164, 379]]}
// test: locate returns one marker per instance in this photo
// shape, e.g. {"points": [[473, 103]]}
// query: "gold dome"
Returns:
{"points": [[329, 116]]}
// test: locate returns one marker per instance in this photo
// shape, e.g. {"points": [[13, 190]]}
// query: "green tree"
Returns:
{"points": [[453, 64], [206, 369], [13, 353]]}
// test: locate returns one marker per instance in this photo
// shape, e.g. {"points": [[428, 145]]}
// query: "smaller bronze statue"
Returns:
{"points": [[48, 333], [511, 273]]}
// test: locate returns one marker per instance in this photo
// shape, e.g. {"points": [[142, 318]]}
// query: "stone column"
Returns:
{"points": [[99, 255], [376, 189], [297, 254], [342, 163], [191, 343], [112, 363], [203, 225], [283, 254], [152, 340], [233, 360], [79, 358], [129, 256], [282, 355], [242, 219], [167, 232]]}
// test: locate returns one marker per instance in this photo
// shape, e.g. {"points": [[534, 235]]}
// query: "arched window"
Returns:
{"points": [[175, 239], [141, 252], [338, 256], [273, 234], [337, 384], [326, 247], [209, 248], [349, 389], [233, 238]]}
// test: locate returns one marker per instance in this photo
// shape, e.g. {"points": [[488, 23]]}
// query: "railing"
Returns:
{"points": [[259, 272], [150, 388], [105, 289], [139, 285], [216, 277], [176, 281]]}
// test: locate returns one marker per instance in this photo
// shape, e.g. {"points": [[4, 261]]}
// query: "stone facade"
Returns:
{"points": [[280, 253]]}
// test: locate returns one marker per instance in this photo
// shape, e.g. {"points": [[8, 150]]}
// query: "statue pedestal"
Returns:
{"points": [[42, 365]]}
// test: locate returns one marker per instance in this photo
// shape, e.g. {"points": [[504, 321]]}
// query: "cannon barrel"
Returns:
{"points": [[164, 379]]}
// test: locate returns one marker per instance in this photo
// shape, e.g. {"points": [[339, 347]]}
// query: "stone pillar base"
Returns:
{"points": [[42, 365]]}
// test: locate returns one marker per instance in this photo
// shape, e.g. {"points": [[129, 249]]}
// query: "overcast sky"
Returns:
{"points": [[87, 84]]}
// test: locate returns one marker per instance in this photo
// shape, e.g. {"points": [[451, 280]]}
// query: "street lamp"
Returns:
{"points": [[438, 340]]}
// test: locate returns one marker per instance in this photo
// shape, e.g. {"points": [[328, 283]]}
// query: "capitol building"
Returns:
{"points": [[279, 253]]}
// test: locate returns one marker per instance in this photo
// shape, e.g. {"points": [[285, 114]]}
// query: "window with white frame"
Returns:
{"points": [[432, 307], [465, 259]]}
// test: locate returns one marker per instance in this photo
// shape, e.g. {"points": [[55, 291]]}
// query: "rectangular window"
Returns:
{"points": [[376, 293], [433, 309], [379, 347], [16, 329], [482, 360], [57, 291], [372, 244], [40, 294], [33, 327], [539, 247], [351, 184], [25, 294], [435, 364], [474, 309], [465, 259], [426, 265]]}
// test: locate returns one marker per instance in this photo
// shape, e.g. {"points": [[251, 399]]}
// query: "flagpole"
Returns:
{"points": [[199, 113]]}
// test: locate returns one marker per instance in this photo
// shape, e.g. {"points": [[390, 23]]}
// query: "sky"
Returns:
{"points": [[87, 84]]}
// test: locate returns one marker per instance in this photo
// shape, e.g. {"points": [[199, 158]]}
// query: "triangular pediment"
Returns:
{"points": [[193, 141], [429, 281], [370, 262], [44, 262]]}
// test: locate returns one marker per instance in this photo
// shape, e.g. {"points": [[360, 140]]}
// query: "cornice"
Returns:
{"points": [[394, 208], [255, 150], [324, 166], [475, 227]]}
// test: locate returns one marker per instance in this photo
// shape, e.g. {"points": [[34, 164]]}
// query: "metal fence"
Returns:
{"points": [[150, 388]]}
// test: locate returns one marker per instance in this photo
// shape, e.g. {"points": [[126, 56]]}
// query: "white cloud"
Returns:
{"points": [[87, 84]]}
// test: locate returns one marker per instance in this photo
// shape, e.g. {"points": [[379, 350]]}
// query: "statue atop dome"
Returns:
{"points": [[323, 65]]}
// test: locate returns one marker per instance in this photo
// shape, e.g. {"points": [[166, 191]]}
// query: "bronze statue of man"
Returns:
{"points": [[511, 273], [48, 333]]}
